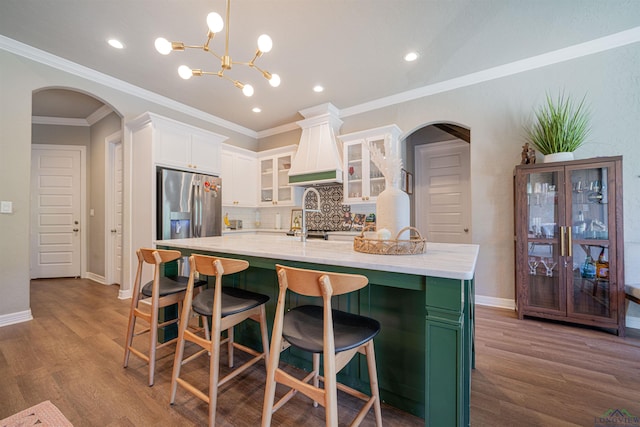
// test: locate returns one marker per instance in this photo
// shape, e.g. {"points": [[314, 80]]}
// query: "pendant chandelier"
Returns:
{"points": [[216, 24]]}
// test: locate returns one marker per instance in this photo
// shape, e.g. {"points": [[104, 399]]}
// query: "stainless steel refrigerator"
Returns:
{"points": [[189, 204]]}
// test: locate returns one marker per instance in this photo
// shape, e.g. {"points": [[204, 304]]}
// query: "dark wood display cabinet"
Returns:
{"points": [[569, 242]]}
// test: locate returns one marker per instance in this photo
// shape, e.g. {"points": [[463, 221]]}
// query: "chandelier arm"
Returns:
{"points": [[192, 46], [215, 54]]}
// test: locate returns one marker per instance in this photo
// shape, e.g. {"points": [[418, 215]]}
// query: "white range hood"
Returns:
{"points": [[318, 159]]}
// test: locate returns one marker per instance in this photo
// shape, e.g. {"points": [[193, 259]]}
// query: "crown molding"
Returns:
{"points": [[29, 52], [279, 129], [59, 121], [592, 47], [99, 114]]}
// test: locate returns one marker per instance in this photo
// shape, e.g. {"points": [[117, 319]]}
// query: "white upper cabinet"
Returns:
{"points": [[273, 176], [239, 177], [363, 181], [185, 147]]}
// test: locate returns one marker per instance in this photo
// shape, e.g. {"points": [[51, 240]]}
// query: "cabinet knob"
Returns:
{"points": [[466, 230], [113, 230], [75, 229]]}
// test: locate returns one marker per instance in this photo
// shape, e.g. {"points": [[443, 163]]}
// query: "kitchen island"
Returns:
{"points": [[424, 303]]}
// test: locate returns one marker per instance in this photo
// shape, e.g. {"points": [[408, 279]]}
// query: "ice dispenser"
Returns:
{"points": [[180, 225]]}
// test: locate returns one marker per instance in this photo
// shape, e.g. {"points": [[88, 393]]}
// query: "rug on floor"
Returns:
{"points": [[42, 415]]}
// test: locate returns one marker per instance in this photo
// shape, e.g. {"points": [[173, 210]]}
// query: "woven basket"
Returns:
{"points": [[415, 245]]}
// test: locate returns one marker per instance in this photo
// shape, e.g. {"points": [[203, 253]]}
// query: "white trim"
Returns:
{"points": [[58, 121], [13, 318], [496, 302], [125, 294], [591, 47], [84, 225], [111, 142], [601, 44], [632, 322], [92, 119], [46, 58], [96, 278], [99, 114]]}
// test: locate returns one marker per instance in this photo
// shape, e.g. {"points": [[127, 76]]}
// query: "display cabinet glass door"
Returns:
{"points": [[591, 222], [266, 180], [376, 179], [545, 242], [354, 171]]}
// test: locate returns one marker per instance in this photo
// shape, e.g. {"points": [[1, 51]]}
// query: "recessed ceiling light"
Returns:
{"points": [[256, 109], [318, 88], [115, 43], [411, 56]]}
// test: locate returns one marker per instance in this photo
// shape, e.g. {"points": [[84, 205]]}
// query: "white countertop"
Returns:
{"points": [[447, 260]]}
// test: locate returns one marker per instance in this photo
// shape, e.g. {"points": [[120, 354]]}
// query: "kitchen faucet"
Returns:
{"points": [[303, 233]]}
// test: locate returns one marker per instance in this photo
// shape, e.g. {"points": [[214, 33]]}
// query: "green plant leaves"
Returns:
{"points": [[560, 126]]}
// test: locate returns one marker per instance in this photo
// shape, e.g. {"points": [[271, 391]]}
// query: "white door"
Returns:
{"points": [[114, 192], [442, 192], [56, 212]]}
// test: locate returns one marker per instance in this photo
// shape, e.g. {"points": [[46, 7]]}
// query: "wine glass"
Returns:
{"points": [[533, 264], [549, 265]]}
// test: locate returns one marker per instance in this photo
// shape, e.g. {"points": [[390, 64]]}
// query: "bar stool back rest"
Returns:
{"points": [[146, 302], [324, 285], [226, 307]]}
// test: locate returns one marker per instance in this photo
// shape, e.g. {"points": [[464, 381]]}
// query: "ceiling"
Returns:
{"points": [[354, 48]]}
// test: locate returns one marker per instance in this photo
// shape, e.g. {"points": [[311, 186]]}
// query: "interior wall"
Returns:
{"points": [[496, 111], [97, 224]]}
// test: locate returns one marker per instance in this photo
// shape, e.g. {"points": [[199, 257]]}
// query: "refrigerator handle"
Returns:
{"points": [[192, 207], [199, 210]]}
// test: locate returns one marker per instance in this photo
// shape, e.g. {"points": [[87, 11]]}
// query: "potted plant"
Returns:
{"points": [[559, 128]]}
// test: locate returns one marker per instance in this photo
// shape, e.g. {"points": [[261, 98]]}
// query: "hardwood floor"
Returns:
{"points": [[528, 373]]}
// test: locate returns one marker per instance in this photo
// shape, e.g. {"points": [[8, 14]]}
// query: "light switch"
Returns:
{"points": [[6, 207]]}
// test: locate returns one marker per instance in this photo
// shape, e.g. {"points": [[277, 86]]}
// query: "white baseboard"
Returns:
{"points": [[630, 322], [96, 278], [124, 294], [496, 302], [13, 318]]}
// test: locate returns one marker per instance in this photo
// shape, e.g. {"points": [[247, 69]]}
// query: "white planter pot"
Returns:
{"points": [[393, 210], [558, 157]]}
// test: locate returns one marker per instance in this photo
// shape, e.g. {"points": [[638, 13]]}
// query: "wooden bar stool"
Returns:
{"points": [[337, 335], [146, 300], [226, 307]]}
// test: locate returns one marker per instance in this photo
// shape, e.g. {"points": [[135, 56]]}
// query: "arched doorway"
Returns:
{"points": [[441, 202], [64, 121]]}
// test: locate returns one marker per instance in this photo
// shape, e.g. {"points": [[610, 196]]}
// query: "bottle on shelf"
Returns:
{"points": [[602, 266], [580, 226], [588, 268]]}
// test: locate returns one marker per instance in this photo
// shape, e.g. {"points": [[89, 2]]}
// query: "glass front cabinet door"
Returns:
{"points": [[273, 170], [569, 244], [363, 181]]}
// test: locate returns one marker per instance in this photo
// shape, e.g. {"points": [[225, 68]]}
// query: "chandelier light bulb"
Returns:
{"points": [[163, 45], [274, 80], [185, 72], [264, 43], [215, 22], [247, 90]]}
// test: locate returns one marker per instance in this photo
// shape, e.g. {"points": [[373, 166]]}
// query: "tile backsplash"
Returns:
{"points": [[331, 216], [332, 210]]}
